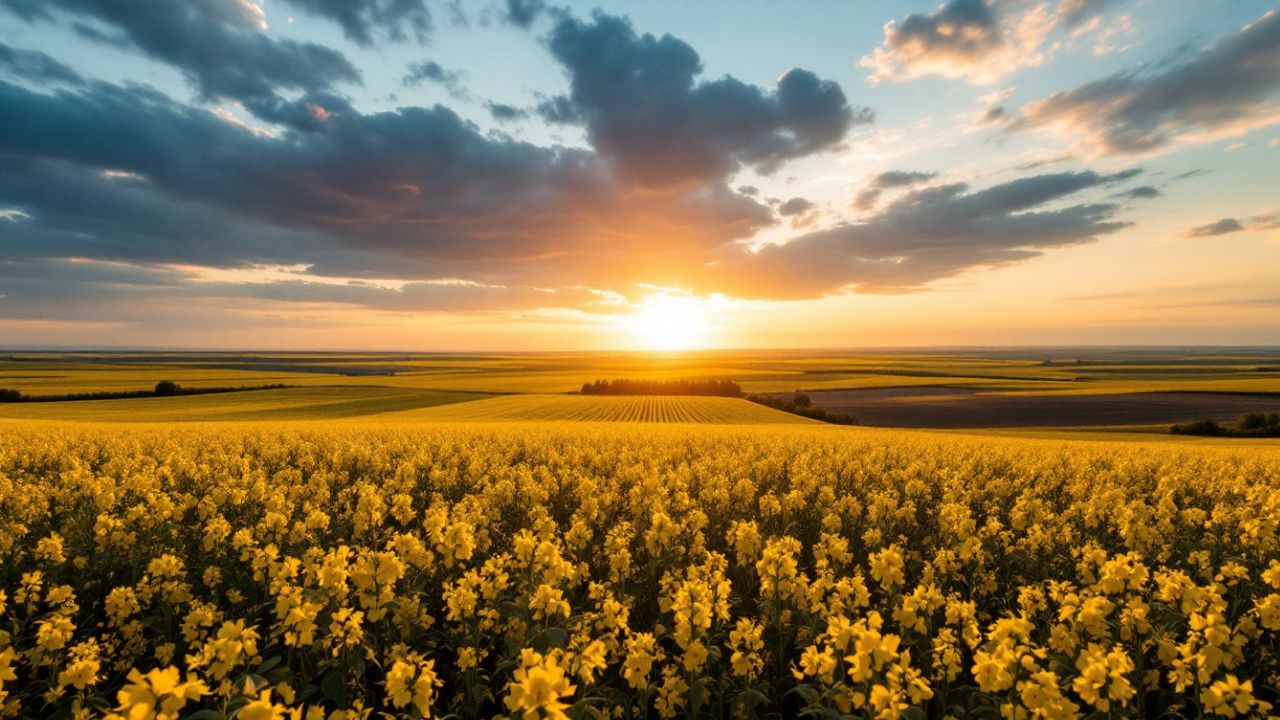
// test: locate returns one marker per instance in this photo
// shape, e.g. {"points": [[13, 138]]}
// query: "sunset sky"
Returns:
{"points": [[423, 175]]}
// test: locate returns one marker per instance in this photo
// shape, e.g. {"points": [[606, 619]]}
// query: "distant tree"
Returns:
{"points": [[1202, 427], [167, 388], [1257, 421], [800, 404], [8, 395], [721, 388], [1251, 425]]}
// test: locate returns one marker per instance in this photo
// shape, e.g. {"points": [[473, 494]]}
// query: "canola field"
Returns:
{"points": [[592, 408], [338, 570]]}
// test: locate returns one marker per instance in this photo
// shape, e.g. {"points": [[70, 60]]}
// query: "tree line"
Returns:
{"points": [[800, 404], [1250, 425], [164, 388], [713, 387]]}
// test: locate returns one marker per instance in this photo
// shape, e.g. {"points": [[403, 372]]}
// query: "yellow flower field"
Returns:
{"points": [[538, 571]]}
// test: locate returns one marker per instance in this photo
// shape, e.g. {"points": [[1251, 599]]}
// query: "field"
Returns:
{"points": [[577, 408], [331, 569], [1033, 388], [968, 407], [450, 536], [311, 403]]}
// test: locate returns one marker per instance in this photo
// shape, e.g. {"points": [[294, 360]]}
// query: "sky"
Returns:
{"points": [[531, 175]]}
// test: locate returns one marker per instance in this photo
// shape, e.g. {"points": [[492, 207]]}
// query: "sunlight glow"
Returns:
{"points": [[666, 323]]}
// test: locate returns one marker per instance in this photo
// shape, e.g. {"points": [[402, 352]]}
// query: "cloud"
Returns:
{"points": [[130, 180], [558, 110], [644, 109], [1221, 227], [365, 22], [431, 71], [972, 40], [981, 41], [870, 195], [993, 115], [524, 12], [1073, 13], [415, 193], [926, 235], [221, 47], [795, 206], [1265, 221], [414, 297], [1223, 90], [1144, 192], [36, 66], [1261, 222], [505, 113]]}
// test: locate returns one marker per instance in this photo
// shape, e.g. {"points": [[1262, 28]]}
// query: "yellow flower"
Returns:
{"points": [[399, 683], [1103, 677], [642, 651], [261, 708], [548, 602], [158, 695], [82, 670], [49, 549], [537, 688], [1229, 697], [590, 660], [886, 568], [746, 641]]}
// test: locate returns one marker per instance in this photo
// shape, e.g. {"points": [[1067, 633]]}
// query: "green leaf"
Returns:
{"points": [[334, 686]]}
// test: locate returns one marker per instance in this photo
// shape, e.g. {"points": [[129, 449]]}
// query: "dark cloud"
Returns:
{"points": [[413, 193], [1221, 227], [524, 12], [35, 66], [365, 22], [901, 178], [1225, 89], [926, 235], [139, 188], [1144, 192], [505, 113], [993, 115], [795, 206], [870, 195], [558, 110], [431, 71], [74, 211], [644, 109], [219, 46]]}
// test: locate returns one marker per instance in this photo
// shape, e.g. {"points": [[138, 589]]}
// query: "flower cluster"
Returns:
{"points": [[344, 571]]}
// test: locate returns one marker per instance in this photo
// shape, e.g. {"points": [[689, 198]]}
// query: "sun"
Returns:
{"points": [[668, 324]]}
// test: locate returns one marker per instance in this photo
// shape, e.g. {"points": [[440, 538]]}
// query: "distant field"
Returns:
{"points": [[1027, 371], [537, 408], [311, 403], [968, 407], [991, 388]]}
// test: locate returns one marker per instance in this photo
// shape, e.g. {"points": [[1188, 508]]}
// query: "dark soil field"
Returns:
{"points": [[957, 407]]}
